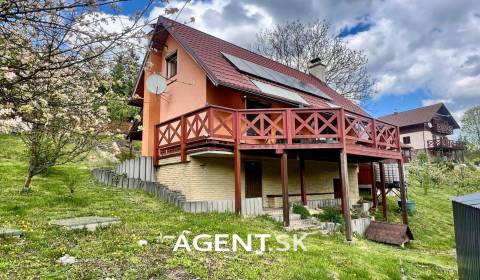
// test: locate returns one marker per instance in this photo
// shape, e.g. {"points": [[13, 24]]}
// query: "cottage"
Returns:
{"points": [[428, 129], [233, 125]]}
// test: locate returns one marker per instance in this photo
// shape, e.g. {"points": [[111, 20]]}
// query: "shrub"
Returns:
{"points": [[330, 214], [71, 182], [301, 210], [426, 175]]}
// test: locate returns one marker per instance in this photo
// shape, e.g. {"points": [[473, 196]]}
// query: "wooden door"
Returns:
{"points": [[337, 188], [253, 179]]}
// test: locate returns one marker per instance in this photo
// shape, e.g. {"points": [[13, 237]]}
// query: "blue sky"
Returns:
{"points": [[420, 52]]}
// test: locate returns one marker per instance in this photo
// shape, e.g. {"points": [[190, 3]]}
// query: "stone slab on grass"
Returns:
{"points": [[90, 223], [10, 232]]}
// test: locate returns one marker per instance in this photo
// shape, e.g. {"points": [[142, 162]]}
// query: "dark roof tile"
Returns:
{"points": [[207, 50], [417, 116]]}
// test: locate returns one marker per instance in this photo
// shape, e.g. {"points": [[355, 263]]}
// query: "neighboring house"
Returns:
{"points": [[234, 125], [428, 129]]}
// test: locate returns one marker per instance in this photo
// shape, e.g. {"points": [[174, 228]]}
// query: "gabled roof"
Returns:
{"points": [[420, 115], [206, 50]]}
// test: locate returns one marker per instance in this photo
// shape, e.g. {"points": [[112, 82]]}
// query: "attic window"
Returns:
{"points": [[171, 65]]}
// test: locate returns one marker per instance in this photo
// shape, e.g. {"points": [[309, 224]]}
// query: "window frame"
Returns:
{"points": [[168, 62], [409, 140]]}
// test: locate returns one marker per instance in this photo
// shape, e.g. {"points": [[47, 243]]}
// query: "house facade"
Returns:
{"points": [[429, 130], [234, 125]]}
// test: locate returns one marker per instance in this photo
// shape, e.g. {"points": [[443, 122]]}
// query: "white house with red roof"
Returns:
{"points": [[429, 130]]}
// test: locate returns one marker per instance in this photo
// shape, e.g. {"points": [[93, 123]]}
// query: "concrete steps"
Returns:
{"points": [[306, 224], [279, 217], [296, 223]]}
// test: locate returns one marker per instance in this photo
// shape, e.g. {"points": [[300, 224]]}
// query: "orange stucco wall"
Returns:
{"points": [[190, 89], [185, 92]]}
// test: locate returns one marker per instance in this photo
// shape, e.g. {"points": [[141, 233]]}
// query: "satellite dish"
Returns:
{"points": [[156, 84]]}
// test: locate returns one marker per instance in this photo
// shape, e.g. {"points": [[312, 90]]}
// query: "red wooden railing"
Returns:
{"points": [[266, 127]]}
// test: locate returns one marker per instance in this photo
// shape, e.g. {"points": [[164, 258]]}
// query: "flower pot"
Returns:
{"points": [[410, 206]]}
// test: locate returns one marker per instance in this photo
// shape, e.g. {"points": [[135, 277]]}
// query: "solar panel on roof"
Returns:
{"points": [[279, 92], [272, 75]]}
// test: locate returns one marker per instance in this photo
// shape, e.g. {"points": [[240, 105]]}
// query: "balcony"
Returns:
{"points": [[445, 144], [219, 128]]}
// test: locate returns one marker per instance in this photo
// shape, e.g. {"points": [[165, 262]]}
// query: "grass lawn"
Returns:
{"points": [[114, 252]]}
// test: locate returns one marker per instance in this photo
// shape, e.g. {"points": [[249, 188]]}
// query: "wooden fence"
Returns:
{"points": [[138, 168], [251, 207], [336, 203]]}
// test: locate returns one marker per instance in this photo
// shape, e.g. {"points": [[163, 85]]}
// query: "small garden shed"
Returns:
{"points": [[466, 215]]}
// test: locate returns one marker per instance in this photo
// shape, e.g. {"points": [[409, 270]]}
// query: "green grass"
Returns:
{"points": [[114, 252]]}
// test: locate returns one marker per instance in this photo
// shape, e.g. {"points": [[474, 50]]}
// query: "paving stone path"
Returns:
{"points": [[10, 232], [90, 223]]}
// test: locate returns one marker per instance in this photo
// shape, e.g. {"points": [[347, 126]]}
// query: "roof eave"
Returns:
{"points": [[191, 52]]}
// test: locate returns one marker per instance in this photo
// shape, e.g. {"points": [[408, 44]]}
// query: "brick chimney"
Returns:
{"points": [[317, 69]]}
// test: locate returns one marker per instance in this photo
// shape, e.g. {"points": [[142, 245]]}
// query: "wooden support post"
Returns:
{"points": [[345, 194], [374, 186], [382, 189], [284, 174], [303, 192], [237, 162], [403, 192], [238, 183]]}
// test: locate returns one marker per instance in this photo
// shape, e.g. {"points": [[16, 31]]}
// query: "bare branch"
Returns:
{"points": [[296, 43]]}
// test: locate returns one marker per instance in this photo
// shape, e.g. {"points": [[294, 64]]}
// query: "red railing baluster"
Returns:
{"points": [[155, 144], [209, 115], [288, 125], [303, 126], [341, 126], [183, 140]]}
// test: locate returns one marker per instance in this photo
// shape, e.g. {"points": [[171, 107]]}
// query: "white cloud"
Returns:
{"points": [[428, 102], [429, 45], [232, 21]]}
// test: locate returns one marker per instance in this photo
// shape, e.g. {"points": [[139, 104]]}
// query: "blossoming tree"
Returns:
{"points": [[54, 85]]}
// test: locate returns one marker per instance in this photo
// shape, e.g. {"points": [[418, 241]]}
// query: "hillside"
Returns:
{"points": [[114, 252]]}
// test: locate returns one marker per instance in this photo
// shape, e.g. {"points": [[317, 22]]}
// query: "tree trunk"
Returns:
{"points": [[28, 181]]}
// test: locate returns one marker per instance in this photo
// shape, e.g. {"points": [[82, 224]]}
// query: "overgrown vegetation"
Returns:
{"points": [[471, 126], [123, 75], [330, 214], [114, 252], [462, 178], [298, 208]]}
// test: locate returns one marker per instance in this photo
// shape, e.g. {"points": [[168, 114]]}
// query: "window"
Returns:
{"points": [[406, 140], [171, 65]]}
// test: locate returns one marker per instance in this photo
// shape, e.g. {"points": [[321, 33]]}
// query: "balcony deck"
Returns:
{"points": [[445, 144], [219, 128]]}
